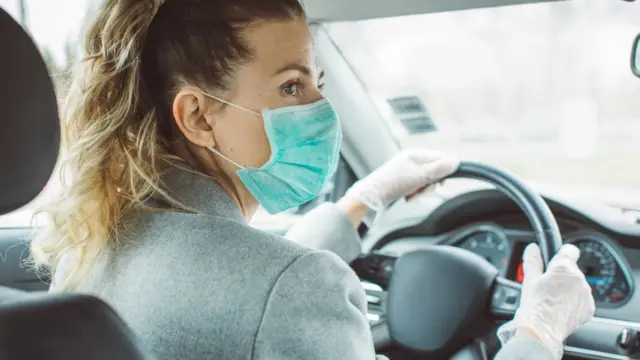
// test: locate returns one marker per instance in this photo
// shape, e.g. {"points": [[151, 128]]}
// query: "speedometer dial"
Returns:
{"points": [[598, 266], [602, 267]]}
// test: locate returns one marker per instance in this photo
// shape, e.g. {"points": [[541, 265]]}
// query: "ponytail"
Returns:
{"points": [[110, 148]]}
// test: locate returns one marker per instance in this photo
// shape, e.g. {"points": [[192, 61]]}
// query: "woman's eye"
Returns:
{"points": [[291, 89], [321, 86]]}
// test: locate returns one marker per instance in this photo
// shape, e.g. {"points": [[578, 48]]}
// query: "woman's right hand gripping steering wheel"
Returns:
{"points": [[554, 303]]}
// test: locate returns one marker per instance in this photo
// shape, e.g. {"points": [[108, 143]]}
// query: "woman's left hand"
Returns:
{"points": [[408, 173]]}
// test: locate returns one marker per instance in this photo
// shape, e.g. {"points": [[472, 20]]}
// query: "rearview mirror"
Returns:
{"points": [[635, 56]]}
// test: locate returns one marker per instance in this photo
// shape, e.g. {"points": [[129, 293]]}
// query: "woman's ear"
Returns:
{"points": [[193, 114]]}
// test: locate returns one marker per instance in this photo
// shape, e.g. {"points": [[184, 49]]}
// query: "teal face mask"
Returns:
{"points": [[305, 148]]}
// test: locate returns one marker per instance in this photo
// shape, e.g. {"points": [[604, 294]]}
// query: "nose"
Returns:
{"points": [[315, 96]]}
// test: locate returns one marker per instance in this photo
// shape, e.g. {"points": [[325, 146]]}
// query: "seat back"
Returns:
{"points": [[64, 326], [40, 325]]}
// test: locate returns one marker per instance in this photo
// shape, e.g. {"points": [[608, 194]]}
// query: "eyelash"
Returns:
{"points": [[299, 85], [296, 83]]}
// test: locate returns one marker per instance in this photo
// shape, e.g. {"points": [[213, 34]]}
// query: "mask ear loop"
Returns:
{"points": [[226, 158], [215, 151], [229, 103]]}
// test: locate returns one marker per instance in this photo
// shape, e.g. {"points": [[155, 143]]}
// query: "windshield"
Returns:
{"points": [[543, 90]]}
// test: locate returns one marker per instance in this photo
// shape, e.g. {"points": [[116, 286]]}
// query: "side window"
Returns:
{"points": [[22, 218], [19, 219]]}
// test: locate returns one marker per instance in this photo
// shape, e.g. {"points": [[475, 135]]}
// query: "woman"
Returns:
{"points": [[188, 116]]}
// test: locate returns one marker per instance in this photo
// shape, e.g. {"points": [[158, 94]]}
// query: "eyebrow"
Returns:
{"points": [[303, 69]]}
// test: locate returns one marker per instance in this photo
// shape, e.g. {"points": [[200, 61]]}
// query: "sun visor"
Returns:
{"points": [[350, 10], [29, 123]]}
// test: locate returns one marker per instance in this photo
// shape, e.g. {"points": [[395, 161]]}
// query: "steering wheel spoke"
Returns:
{"points": [[505, 297]]}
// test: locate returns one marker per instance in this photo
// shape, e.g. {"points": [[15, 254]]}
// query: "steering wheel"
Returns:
{"points": [[442, 298]]}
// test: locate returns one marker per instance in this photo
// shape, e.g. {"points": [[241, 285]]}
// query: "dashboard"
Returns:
{"points": [[502, 242]]}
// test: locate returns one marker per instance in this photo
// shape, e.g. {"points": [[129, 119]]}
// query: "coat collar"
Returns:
{"points": [[199, 192]]}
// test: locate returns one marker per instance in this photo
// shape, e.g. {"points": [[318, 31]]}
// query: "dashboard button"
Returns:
{"points": [[506, 296]]}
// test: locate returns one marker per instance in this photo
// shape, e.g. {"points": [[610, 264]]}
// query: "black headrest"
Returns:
{"points": [[64, 327], [29, 123]]}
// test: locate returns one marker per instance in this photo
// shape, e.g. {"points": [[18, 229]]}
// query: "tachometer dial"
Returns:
{"points": [[492, 245]]}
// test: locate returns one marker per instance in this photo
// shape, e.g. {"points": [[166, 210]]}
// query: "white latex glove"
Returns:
{"points": [[407, 173], [554, 304]]}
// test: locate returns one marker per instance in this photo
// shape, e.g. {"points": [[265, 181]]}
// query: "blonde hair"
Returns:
{"points": [[117, 123], [108, 162]]}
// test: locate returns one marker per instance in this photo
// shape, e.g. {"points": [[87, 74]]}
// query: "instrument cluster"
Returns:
{"points": [[603, 264]]}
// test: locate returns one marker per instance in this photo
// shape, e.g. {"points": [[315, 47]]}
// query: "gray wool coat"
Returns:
{"points": [[209, 286]]}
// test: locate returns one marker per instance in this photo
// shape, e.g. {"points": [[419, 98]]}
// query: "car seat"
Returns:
{"points": [[41, 325]]}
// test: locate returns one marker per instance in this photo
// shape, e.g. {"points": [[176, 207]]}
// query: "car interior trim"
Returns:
{"points": [[592, 354]]}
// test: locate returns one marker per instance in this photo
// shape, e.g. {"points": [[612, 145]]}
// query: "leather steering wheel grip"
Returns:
{"points": [[532, 204]]}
